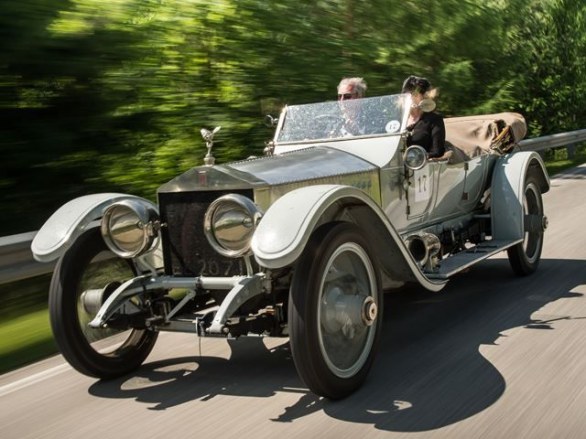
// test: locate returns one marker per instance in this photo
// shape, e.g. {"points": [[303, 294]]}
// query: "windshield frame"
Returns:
{"points": [[402, 102]]}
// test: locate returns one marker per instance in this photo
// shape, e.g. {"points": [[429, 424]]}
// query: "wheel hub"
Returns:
{"points": [[535, 223], [344, 310], [369, 311]]}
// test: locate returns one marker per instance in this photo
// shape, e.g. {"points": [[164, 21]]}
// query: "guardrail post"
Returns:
{"points": [[571, 151]]}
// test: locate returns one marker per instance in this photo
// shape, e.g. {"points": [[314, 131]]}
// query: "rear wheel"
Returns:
{"points": [[333, 311], [87, 268], [524, 257]]}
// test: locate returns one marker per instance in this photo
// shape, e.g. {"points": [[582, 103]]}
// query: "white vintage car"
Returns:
{"points": [[300, 243]]}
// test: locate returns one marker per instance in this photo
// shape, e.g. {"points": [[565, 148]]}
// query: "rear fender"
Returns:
{"points": [[507, 192], [70, 221], [287, 225]]}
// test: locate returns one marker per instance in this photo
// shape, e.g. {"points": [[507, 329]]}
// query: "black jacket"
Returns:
{"points": [[430, 132]]}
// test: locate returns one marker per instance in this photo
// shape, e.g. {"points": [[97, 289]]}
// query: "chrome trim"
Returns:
{"points": [[142, 284], [424, 247], [242, 291], [210, 226], [417, 153], [148, 222]]}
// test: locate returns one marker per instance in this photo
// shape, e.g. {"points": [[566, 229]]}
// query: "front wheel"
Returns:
{"points": [[334, 318], [524, 257], [88, 266]]}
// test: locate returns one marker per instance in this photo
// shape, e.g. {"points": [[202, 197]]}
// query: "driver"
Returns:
{"points": [[350, 89]]}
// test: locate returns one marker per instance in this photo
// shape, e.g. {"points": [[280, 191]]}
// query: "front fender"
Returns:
{"points": [[507, 192], [287, 225], [70, 221]]}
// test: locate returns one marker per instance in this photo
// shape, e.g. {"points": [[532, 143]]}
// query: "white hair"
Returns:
{"points": [[358, 85]]}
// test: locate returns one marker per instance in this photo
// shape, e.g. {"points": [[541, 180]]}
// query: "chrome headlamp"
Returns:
{"points": [[415, 157], [229, 224], [130, 228]]}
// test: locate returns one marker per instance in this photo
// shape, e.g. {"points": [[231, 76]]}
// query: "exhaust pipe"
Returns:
{"points": [[424, 248]]}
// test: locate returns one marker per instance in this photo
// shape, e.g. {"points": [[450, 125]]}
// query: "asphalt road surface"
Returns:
{"points": [[491, 356]]}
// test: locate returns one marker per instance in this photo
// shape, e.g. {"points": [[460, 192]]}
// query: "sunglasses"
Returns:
{"points": [[345, 96]]}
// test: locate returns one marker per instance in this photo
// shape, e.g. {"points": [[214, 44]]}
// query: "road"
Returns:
{"points": [[491, 356]]}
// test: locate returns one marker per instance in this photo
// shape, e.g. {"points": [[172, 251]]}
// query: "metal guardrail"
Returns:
{"points": [[553, 141], [17, 263], [16, 259]]}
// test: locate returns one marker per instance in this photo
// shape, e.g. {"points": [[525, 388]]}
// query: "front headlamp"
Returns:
{"points": [[229, 224], [415, 157], [130, 227]]}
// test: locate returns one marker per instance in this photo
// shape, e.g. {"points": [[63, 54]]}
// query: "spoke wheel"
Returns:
{"points": [[87, 268], [524, 257], [334, 306]]}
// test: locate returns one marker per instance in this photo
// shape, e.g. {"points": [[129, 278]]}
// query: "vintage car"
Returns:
{"points": [[299, 243]]}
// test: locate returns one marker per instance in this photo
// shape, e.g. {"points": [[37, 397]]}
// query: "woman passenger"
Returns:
{"points": [[426, 128]]}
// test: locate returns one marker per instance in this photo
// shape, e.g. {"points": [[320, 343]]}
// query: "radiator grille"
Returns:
{"points": [[186, 250]]}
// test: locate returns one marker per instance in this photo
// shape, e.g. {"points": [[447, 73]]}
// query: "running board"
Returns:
{"points": [[466, 258]]}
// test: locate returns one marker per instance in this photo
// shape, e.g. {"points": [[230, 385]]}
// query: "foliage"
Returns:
{"points": [[547, 53], [110, 96]]}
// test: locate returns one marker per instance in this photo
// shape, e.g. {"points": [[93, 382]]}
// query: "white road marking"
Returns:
{"points": [[33, 379]]}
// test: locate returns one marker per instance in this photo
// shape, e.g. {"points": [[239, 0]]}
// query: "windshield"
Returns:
{"points": [[340, 119]]}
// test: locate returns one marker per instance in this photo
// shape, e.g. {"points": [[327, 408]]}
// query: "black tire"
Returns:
{"points": [[334, 324], [90, 350], [524, 257]]}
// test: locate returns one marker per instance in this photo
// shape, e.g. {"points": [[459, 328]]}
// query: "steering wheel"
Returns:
{"points": [[329, 124]]}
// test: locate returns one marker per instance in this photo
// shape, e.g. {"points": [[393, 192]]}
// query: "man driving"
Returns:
{"points": [[350, 89]]}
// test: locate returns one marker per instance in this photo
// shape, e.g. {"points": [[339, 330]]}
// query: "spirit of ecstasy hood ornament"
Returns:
{"points": [[208, 136]]}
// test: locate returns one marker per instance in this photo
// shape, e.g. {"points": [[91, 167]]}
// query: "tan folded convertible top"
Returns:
{"points": [[470, 136]]}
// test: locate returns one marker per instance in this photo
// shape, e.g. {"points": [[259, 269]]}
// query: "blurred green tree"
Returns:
{"points": [[110, 96], [547, 64]]}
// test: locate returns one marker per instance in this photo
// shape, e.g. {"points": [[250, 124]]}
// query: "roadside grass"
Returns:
{"points": [[25, 339], [25, 332], [557, 160]]}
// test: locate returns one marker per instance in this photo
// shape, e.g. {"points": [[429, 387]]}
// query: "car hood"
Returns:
{"points": [[293, 167]]}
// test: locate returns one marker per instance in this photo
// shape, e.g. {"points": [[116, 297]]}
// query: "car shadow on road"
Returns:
{"points": [[252, 370], [429, 372]]}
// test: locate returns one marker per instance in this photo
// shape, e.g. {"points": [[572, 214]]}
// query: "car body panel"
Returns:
{"points": [[507, 192], [70, 221], [288, 224]]}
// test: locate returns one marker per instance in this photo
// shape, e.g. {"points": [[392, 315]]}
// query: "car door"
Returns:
{"points": [[460, 187]]}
